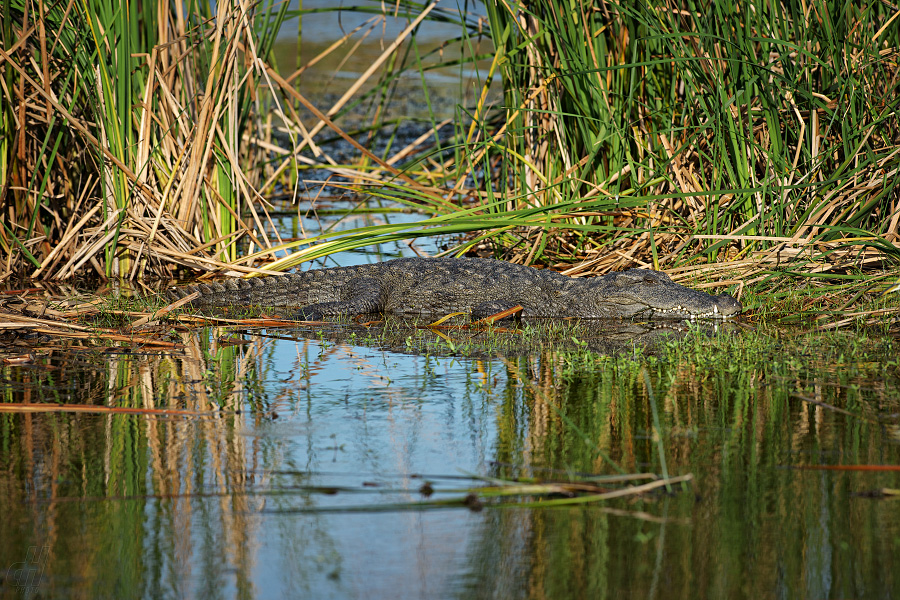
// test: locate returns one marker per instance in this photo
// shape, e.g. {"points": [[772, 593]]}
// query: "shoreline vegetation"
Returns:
{"points": [[737, 145]]}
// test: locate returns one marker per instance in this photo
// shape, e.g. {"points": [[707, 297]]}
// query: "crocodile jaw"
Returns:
{"points": [[717, 307], [653, 295]]}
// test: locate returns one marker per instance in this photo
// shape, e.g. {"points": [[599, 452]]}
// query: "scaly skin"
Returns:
{"points": [[437, 286]]}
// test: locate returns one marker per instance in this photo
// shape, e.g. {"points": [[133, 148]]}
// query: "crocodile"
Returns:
{"points": [[479, 286]]}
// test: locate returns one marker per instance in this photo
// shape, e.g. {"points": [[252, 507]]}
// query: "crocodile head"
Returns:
{"points": [[653, 295]]}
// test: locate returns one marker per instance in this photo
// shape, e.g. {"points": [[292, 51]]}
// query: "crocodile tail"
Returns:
{"points": [[225, 293]]}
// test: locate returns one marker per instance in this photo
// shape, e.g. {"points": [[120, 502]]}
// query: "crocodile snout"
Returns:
{"points": [[727, 305]]}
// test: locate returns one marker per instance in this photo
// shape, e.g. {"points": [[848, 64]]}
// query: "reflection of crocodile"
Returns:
{"points": [[479, 286], [600, 336]]}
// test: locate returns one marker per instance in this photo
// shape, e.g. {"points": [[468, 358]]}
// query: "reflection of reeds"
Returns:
{"points": [[729, 414], [180, 449], [174, 489]]}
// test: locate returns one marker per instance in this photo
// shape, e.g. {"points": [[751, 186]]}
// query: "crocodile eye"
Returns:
{"points": [[650, 280]]}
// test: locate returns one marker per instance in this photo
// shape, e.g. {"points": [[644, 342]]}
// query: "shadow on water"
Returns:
{"points": [[288, 461]]}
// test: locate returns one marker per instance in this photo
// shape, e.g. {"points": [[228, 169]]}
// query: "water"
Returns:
{"points": [[296, 480]]}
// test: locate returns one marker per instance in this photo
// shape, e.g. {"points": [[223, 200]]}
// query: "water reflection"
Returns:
{"points": [[231, 502]]}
